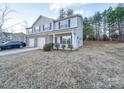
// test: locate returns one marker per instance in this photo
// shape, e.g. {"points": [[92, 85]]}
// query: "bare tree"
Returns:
{"points": [[4, 16]]}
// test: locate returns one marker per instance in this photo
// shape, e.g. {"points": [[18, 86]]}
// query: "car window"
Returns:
{"points": [[6, 42], [11, 42]]}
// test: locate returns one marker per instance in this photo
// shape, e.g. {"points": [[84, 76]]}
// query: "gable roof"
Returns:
{"points": [[38, 19]]}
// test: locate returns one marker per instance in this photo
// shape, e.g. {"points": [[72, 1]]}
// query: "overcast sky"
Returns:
{"points": [[30, 12]]}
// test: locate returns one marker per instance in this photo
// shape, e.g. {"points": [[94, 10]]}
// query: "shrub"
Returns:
{"points": [[91, 37], [47, 47], [63, 47], [105, 37], [114, 37]]}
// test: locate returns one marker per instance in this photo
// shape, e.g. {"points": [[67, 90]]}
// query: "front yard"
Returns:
{"points": [[90, 67]]}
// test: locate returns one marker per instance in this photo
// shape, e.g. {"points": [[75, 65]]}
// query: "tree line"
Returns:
{"points": [[105, 25]]}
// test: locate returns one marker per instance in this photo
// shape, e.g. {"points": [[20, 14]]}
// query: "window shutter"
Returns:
{"points": [[69, 23]]}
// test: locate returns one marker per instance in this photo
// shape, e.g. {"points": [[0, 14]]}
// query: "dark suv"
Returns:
{"points": [[12, 44]]}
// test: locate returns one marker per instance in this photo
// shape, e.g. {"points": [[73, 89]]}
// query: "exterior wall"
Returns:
{"points": [[79, 32], [74, 39], [74, 22], [49, 39]]}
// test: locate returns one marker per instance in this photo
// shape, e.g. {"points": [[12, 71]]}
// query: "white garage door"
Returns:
{"points": [[40, 42], [31, 42]]}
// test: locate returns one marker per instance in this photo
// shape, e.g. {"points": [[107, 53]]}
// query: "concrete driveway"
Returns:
{"points": [[15, 51]]}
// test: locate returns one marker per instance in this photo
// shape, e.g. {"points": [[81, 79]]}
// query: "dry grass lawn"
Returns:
{"points": [[92, 66]]}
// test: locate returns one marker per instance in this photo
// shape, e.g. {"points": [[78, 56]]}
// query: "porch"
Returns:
{"points": [[63, 40]]}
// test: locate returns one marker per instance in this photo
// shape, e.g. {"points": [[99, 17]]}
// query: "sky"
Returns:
{"points": [[27, 13]]}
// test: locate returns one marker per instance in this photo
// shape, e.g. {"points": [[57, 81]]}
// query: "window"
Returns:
{"points": [[64, 40], [43, 28], [59, 25], [67, 40], [11, 42], [39, 28], [55, 40], [60, 39], [50, 26], [69, 23]]}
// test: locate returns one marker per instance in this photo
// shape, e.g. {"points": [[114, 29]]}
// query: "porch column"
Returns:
{"points": [[53, 38], [73, 40]]}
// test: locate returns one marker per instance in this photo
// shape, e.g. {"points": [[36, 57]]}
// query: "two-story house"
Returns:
{"points": [[67, 30]]}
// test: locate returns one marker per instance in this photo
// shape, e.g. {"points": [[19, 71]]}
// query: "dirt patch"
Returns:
{"points": [[101, 43]]}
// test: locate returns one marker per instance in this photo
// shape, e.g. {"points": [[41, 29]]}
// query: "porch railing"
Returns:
{"points": [[63, 46]]}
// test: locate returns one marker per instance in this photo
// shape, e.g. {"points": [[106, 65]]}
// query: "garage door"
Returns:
{"points": [[41, 42], [31, 42]]}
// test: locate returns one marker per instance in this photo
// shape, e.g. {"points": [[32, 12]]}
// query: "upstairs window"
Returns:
{"points": [[59, 25], [69, 23], [50, 26], [43, 28], [39, 28]]}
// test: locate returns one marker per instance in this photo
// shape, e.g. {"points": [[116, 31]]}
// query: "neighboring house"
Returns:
{"points": [[67, 31], [18, 37], [6, 36]]}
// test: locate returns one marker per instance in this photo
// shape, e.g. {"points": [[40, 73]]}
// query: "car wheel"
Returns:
{"points": [[0, 49], [21, 46]]}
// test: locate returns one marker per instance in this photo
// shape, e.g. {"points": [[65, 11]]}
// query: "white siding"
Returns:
{"points": [[74, 22], [43, 21]]}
